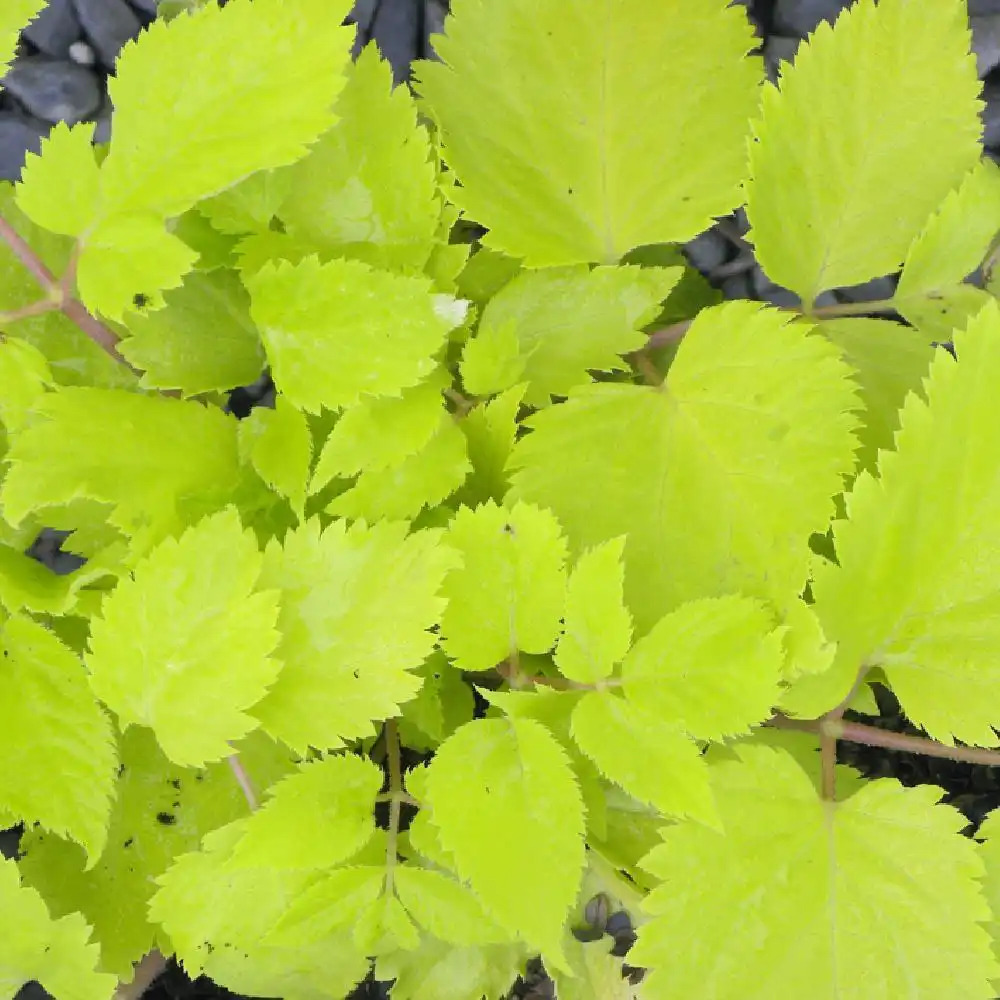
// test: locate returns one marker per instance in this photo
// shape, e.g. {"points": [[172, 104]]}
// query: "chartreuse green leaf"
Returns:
{"points": [[251, 204], [266, 85], [364, 192], [443, 906], [423, 479], [330, 904], [16, 15], [565, 321], [554, 710], [510, 591], [492, 360], [711, 500], [160, 811], [489, 432], [597, 974], [583, 177], [55, 739], [377, 434], [339, 331], [356, 604], [931, 292], [127, 257], [24, 375], [651, 758], [54, 953], [443, 703], [60, 185], [713, 666], [506, 805], [919, 545], [855, 886], [219, 917], [278, 443], [988, 852], [598, 629], [816, 195], [202, 340], [120, 448], [317, 817], [155, 662], [438, 969], [889, 360]]}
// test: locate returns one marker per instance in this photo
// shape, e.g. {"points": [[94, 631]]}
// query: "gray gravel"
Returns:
{"points": [[52, 90], [799, 17], [55, 29], [108, 25], [18, 137]]}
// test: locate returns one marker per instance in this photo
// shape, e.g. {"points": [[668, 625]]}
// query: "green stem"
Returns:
{"points": [[852, 309]]}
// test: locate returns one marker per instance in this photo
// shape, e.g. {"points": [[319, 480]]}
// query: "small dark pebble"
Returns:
{"points": [[618, 922], [108, 25], [54, 91], [55, 29], [17, 138]]}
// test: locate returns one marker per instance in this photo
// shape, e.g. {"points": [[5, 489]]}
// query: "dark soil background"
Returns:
{"points": [[61, 74]]}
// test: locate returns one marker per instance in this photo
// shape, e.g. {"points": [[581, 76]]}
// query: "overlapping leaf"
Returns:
{"points": [[316, 818], [124, 449], [889, 360], [356, 605], [954, 242], [183, 646], [339, 331], [35, 948], [839, 154], [921, 545], [506, 805], [718, 478], [557, 324], [266, 82], [60, 185], [56, 741], [202, 340], [510, 591], [364, 192], [160, 811], [583, 176], [856, 888], [219, 916]]}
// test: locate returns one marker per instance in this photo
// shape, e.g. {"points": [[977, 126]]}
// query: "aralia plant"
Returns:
{"points": [[548, 577]]}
